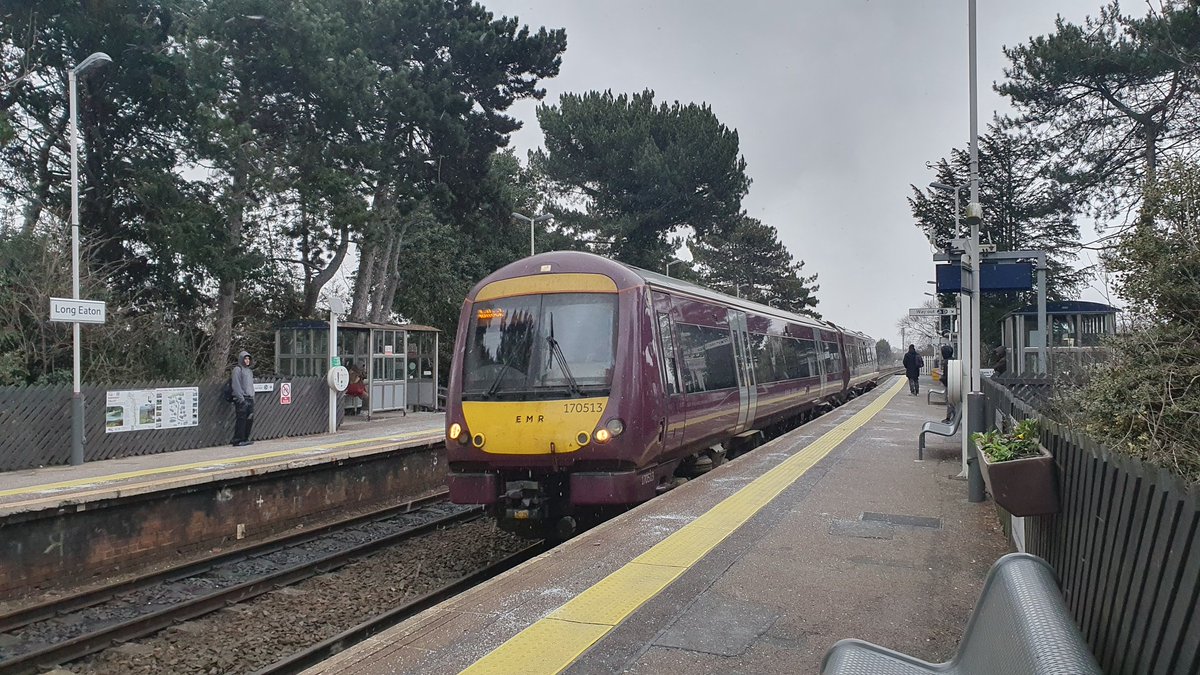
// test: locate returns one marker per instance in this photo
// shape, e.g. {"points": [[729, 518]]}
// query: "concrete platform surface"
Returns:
{"points": [[831, 531], [49, 487]]}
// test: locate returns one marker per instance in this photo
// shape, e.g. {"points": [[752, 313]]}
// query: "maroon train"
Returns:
{"points": [[582, 386]]}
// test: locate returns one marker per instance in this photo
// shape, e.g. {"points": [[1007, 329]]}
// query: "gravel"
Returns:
{"points": [[255, 634]]}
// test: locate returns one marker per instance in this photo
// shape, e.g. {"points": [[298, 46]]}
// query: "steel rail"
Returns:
{"points": [[147, 624], [72, 603], [330, 646]]}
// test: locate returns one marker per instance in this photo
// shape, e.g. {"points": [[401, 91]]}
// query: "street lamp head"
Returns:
{"points": [[95, 60], [542, 218]]}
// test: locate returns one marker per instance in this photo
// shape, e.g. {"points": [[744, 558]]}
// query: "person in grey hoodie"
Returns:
{"points": [[242, 382]]}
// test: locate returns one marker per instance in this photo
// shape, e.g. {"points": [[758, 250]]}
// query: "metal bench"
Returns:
{"points": [[939, 428], [935, 392], [1020, 626]]}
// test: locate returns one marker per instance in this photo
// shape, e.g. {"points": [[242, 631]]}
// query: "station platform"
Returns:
{"points": [[831, 531], [55, 486]]}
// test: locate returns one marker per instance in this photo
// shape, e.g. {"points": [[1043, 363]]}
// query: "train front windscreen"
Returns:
{"points": [[536, 347]]}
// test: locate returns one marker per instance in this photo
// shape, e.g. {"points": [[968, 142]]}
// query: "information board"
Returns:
{"points": [[143, 409]]}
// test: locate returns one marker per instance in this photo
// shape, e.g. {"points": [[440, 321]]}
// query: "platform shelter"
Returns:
{"points": [[1076, 328], [398, 362]]}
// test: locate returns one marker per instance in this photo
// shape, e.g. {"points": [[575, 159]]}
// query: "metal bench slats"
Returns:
{"points": [[1020, 626], [938, 428]]}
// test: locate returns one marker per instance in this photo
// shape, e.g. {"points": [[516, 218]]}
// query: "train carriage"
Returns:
{"points": [[581, 385]]}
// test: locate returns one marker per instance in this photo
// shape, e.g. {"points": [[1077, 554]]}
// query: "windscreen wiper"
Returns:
{"points": [[557, 353], [495, 387]]}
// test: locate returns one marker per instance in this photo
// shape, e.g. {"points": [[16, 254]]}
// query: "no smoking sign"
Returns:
{"points": [[285, 393]]}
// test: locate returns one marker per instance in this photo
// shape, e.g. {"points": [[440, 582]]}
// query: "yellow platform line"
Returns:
{"points": [[553, 643], [142, 473]]}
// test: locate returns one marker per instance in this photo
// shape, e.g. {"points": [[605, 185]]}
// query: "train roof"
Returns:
{"points": [[661, 281], [628, 275]]}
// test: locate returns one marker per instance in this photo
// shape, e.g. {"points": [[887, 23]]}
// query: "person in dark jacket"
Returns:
{"points": [[999, 361], [242, 383], [947, 357], [913, 363]]}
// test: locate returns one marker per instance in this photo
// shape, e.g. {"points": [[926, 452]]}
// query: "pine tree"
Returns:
{"points": [[629, 172], [749, 261]]}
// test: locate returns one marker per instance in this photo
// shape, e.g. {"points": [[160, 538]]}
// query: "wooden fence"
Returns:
{"points": [[1125, 546], [35, 421]]}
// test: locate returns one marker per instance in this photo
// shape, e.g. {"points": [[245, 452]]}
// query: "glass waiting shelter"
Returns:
{"points": [[397, 362], [1075, 329]]}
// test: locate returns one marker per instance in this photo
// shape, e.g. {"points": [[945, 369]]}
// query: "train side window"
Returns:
{"points": [[707, 358], [763, 357], [667, 347], [833, 361]]}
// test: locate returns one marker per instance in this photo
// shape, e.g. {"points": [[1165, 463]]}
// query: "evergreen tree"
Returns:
{"points": [[629, 172], [749, 261], [1024, 209], [1110, 96]]}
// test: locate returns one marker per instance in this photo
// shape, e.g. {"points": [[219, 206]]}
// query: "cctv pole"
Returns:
{"points": [[972, 421]]}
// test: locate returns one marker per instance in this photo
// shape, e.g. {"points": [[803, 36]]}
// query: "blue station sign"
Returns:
{"points": [[994, 277]]}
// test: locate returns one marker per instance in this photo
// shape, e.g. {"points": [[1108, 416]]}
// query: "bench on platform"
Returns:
{"points": [[939, 428], [1020, 626], [935, 392]]}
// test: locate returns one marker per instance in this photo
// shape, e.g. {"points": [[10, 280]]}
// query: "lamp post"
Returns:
{"points": [[669, 263], [93, 61], [537, 219]]}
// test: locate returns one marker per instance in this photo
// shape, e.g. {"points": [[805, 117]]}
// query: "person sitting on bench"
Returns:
{"points": [[356, 387]]}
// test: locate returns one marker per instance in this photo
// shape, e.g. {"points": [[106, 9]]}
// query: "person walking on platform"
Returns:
{"points": [[242, 382], [913, 363]]}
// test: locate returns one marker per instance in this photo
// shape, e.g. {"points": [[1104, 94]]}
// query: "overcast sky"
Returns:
{"points": [[838, 104]]}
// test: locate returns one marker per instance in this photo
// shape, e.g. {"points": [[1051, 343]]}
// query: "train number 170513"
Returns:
{"points": [[583, 407]]}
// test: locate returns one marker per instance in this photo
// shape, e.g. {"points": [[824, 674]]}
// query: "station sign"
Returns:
{"points": [[932, 311], [77, 311], [993, 277]]}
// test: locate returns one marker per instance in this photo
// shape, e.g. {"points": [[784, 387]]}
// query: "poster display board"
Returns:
{"points": [[142, 409]]}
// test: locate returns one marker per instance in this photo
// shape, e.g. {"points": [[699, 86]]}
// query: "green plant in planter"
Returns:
{"points": [[1019, 443]]}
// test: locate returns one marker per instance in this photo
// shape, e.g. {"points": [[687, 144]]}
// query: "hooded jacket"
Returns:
{"points": [[242, 378], [913, 363]]}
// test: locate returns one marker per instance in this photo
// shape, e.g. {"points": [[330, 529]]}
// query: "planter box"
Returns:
{"points": [[1024, 487]]}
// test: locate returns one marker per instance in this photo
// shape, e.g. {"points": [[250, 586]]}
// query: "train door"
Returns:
{"points": [[748, 390], [848, 359], [671, 426]]}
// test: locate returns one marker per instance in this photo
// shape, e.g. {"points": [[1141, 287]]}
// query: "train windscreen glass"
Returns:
{"points": [[541, 346]]}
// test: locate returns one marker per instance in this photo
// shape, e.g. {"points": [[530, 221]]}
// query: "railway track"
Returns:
{"points": [[307, 658], [68, 628]]}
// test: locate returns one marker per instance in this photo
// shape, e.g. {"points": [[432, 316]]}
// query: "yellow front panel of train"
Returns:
{"points": [[533, 427]]}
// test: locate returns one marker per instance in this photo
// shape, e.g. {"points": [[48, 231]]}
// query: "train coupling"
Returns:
{"points": [[524, 501]]}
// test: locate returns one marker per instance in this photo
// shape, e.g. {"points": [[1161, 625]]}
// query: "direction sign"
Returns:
{"points": [[71, 311], [932, 311]]}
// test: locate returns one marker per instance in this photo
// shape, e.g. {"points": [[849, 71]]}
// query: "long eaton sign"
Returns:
{"points": [[71, 311]]}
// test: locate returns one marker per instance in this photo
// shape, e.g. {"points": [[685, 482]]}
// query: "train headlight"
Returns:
{"points": [[615, 427], [477, 440], [602, 435], [455, 431]]}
